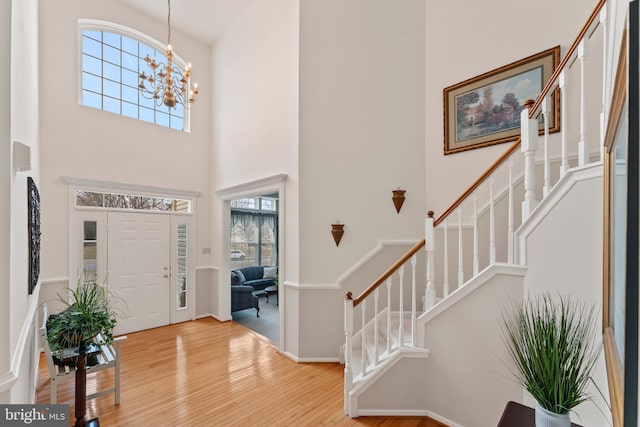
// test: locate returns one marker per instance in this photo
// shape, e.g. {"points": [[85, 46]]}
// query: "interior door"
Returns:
{"points": [[139, 260]]}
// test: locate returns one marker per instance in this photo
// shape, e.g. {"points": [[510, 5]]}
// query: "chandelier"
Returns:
{"points": [[168, 84]]}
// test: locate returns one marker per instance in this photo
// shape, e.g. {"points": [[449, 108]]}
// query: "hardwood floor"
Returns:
{"points": [[208, 373]]}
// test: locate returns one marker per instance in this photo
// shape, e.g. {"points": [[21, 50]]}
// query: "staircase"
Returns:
{"points": [[475, 251]]}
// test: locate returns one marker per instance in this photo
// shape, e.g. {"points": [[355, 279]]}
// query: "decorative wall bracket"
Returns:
{"points": [[398, 198], [337, 230]]}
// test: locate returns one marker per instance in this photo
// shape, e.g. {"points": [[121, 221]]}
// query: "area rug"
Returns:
{"points": [[268, 324]]}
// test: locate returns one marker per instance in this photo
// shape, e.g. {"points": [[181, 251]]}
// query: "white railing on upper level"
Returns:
{"points": [[479, 228]]}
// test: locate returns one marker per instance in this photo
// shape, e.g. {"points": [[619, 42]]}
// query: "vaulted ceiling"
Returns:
{"points": [[205, 20]]}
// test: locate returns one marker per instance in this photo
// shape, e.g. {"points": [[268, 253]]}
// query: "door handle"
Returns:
{"points": [[165, 276]]}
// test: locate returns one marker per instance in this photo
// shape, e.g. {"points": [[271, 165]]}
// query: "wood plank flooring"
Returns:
{"points": [[208, 373]]}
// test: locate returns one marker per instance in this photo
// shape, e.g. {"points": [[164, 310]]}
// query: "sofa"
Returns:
{"points": [[258, 277], [242, 298]]}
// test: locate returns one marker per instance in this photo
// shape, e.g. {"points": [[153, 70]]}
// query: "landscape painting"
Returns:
{"points": [[485, 110]]}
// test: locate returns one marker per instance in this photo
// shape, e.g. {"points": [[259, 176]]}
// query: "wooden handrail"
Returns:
{"points": [[567, 57], [387, 273], [478, 181], [550, 84], [532, 109]]}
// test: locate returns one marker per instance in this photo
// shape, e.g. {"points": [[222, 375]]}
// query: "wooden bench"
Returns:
{"points": [[107, 357]]}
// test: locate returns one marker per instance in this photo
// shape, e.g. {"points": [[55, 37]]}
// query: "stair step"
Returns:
{"points": [[356, 357]]}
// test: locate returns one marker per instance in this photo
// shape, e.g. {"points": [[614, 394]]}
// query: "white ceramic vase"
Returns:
{"points": [[546, 418]]}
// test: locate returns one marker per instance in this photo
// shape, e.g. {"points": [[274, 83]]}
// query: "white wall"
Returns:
{"points": [[5, 188], [87, 143], [20, 119], [488, 35], [572, 265]]}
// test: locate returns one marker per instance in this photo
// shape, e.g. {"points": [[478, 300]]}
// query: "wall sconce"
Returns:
{"points": [[337, 230], [398, 198]]}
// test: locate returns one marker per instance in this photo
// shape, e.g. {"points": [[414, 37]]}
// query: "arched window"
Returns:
{"points": [[112, 58]]}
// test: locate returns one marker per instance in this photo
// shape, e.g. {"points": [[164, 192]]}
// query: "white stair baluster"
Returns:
{"points": [[348, 350], [563, 83], [363, 335], [376, 297], [529, 145], [547, 166], [414, 314], [445, 285], [583, 145], [476, 263], [492, 224], [389, 283], [401, 307], [510, 236], [603, 113], [430, 246], [460, 268]]}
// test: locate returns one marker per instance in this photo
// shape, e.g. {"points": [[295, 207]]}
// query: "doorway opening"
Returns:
{"points": [[254, 262]]}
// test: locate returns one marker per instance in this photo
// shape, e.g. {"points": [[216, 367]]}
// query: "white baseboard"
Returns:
{"points": [[218, 318], [443, 419], [392, 413], [310, 359], [406, 413]]}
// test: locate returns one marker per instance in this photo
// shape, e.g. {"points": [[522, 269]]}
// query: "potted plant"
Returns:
{"points": [[553, 346], [89, 312]]}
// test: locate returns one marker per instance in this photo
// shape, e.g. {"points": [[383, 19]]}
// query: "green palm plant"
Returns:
{"points": [[89, 311], [553, 346]]}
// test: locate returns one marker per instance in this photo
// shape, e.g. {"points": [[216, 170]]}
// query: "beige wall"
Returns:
{"points": [[361, 136], [459, 46]]}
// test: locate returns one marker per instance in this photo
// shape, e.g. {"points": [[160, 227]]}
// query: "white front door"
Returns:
{"points": [[139, 260]]}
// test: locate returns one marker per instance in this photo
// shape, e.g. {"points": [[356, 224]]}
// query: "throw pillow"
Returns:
{"points": [[269, 272], [240, 276], [235, 280]]}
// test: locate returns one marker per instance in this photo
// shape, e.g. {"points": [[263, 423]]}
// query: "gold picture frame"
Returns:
{"points": [[472, 119]]}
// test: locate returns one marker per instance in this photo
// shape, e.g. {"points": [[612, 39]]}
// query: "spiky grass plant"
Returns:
{"points": [[553, 346]]}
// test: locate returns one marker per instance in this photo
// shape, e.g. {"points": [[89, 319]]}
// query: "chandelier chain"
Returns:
{"points": [[169, 23]]}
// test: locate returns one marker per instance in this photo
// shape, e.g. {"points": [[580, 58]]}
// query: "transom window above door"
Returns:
{"points": [[112, 58], [99, 199]]}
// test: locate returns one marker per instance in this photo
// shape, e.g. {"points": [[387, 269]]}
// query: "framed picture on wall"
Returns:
{"points": [[485, 110]]}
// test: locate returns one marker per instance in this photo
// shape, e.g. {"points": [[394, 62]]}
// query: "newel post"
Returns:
{"points": [[348, 348], [529, 145], [430, 291]]}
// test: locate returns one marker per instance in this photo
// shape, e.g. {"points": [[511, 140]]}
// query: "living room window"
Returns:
{"points": [[112, 58], [254, 231]]}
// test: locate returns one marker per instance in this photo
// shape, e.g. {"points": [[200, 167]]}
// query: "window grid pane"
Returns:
{"points": [[90, 250], [110, 67], [131, 201]]}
